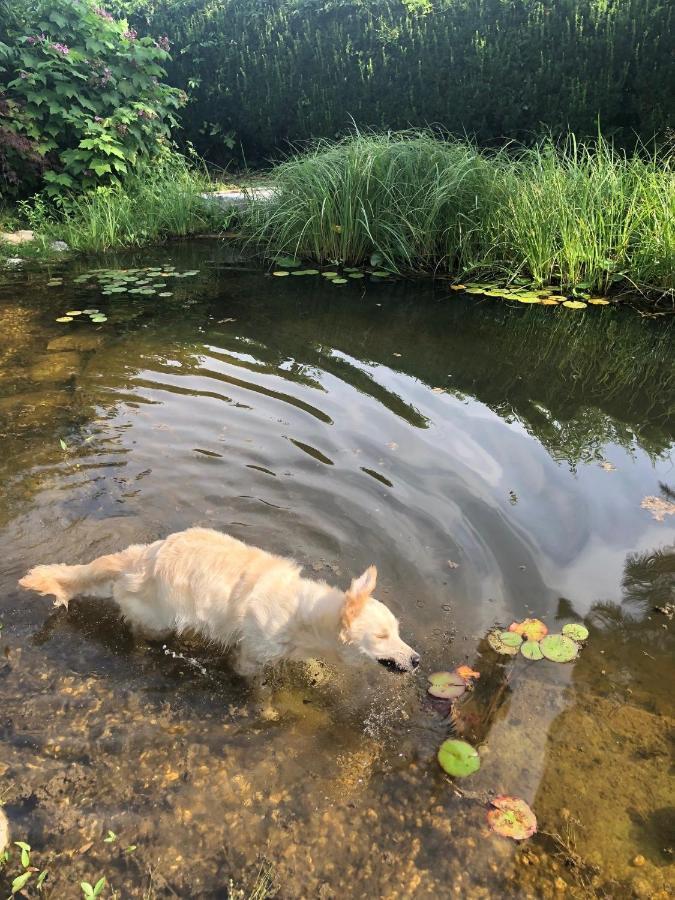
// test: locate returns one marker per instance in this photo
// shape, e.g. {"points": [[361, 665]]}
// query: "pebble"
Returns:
{"points": [[639, 860]]}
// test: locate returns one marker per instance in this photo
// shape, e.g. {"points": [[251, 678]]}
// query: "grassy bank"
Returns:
{"points": [[157, 202], [571, 215]]}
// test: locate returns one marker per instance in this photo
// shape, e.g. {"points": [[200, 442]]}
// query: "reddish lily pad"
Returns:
{"points": [[576, 631], [446, 685], [458, 758], [530, 629], [559, 648], [505, 642], [512, 817], [531, 650]]}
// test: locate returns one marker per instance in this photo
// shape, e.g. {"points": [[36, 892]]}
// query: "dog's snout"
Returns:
{"points": [[415, 660]]}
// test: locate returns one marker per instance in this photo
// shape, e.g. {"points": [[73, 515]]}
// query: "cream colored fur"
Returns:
{"points": [[205, 582]]}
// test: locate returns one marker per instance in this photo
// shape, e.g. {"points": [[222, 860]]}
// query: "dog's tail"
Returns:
{"points": [[65, 582]]}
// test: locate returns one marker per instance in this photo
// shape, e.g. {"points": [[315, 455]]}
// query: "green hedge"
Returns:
{"points": [[265, 72]]}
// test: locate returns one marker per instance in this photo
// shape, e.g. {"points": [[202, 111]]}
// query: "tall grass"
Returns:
{"points": [[156, 202], [572, 214]]}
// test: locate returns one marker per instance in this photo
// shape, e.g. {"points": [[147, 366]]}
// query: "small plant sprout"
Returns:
{"points": [[110, 838], [89, 892]]}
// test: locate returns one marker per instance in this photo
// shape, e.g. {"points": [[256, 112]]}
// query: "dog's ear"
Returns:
{"points": [[356, 596]]}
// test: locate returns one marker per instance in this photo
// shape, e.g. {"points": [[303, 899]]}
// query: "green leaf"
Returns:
{"points": [[98, 887], [458, 758], [41, 878], [87, 890], [100, 167], [21, 881]]}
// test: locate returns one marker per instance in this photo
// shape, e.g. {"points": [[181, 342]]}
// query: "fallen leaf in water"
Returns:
{"points": [[467, 673], [607, 466], [397, 354], [658, 507], [446, 685], [559, 648], [438, 390], [452, 565], [512, 817], [458, 758], [576, 631], [457, 287], [530, 629]]}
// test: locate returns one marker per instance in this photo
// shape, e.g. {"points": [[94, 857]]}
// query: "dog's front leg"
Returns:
{"points": [[246, 663]]}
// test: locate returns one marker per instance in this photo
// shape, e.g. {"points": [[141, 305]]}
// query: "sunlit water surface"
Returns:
{"points": [[308, 419]]}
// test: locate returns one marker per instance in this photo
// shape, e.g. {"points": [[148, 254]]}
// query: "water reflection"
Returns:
{"points": [[386, 424]]}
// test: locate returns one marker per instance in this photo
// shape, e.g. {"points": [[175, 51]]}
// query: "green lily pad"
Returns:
{"points": [[89, 312], [559, 648], [166, 294], [458, 758], [338, 281], [575, 630], [512, 817], [305, 272], [505, 642], [65, 319], [74, 312], [280, 273], [330, 274], [99, 318], [355, 275], [574, 304], [531, 650], [350, 269], [118, 290], [446, 685]]}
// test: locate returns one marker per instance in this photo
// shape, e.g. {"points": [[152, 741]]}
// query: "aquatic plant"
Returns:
{"points": [[579, 216], [154, 202]]}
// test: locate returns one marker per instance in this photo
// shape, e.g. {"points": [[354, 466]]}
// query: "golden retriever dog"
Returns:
{"points": [[205, 582]]}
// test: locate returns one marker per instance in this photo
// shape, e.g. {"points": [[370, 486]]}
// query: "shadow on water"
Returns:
{"points": [[386, 423]]}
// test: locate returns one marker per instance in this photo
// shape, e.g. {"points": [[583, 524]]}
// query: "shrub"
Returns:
{"points": [[86, 95]]}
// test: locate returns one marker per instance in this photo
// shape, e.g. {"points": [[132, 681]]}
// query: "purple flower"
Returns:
{"points": [[61, 48], [98, 119], [163, 43], [106, 76], [131, 34], [37, 39], [103, 14], [23, 74]]}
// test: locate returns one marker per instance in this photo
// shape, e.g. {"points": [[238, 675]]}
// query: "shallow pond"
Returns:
{"points": [[491, 460]]}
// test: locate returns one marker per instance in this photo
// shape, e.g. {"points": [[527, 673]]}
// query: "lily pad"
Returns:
{"points": [[356, 275], [330, 274], [531, 650], [446, 685], [74, 312], [99, 318], [598, 301], [576, 631], [349, 269], [505, 642], [559, 648], [338, 281], [280, 273], [574, 304], [530, 629], [65, 319], [458, 758], [166, 294], [89, 312], [512, 817]]}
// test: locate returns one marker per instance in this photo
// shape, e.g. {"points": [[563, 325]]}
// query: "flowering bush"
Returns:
{"points": [[83, 93]]}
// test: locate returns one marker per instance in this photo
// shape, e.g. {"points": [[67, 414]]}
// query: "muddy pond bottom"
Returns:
{"points": [[496, 463]]}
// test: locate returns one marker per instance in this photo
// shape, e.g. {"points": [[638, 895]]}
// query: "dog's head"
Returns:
{"points": [[370, 629]]}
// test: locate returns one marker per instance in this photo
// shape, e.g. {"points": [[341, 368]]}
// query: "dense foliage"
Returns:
{"points": [[262, 72], [570, 215], [81, 100]]}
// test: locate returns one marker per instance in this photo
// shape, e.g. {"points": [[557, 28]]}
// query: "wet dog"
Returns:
{"points": [[205, 582]]}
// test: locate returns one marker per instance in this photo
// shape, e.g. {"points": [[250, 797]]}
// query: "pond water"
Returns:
{"points": [[342, 425]]}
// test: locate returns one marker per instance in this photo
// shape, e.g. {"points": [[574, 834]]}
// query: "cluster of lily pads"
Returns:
{"points": [[523, 291], [531, 638], [147, 281], [289, 265], [508, 816]]}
